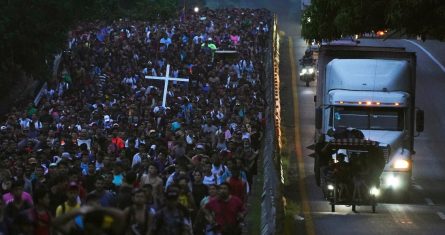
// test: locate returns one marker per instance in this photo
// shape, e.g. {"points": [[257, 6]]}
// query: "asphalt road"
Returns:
{"points": [[425, 210], [424, 213]]}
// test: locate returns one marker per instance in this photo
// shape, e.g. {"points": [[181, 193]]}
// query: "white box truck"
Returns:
{"points": [[370, 89]]}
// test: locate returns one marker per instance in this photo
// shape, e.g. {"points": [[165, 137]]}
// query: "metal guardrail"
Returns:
{"points": [[271, 197]]}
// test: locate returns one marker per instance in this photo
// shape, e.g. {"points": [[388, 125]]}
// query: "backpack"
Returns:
{"points": [[134, 227], [179, 221]]}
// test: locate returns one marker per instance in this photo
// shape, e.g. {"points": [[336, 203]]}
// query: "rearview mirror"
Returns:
{"points": [[419, 120], [318, 118]]}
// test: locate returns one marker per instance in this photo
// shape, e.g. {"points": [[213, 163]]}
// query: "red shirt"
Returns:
{"points": [[42, 222], [226, 211], [119, 142], [237, 188]]}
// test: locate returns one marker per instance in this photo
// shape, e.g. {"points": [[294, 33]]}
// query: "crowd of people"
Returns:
{"points": [[100, 154]]}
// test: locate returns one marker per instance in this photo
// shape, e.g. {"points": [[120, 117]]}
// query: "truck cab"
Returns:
{"points": [[371, 89]]}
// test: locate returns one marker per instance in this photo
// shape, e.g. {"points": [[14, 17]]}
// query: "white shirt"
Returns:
{"points": [[218, 170], [38, 125], [87, 142], [209, 180], [129, 81], [99, 166], [136, 159], [169, 180], [24, 122], [166, 41]]}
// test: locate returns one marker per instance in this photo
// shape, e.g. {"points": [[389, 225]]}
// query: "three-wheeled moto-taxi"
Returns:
{"points": [[350, 169]]}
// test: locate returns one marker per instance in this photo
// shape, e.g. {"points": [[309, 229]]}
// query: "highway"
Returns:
{"points": [[424, 212]]}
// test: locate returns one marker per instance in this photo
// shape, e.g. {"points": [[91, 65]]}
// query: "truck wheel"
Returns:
{"points": [[332, 207], [307, 83], [353, 207], [373, 208]]}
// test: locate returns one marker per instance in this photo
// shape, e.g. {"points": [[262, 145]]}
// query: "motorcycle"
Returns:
{"points": [[308, 70]]}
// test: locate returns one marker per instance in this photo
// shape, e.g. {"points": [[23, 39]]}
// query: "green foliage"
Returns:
{"points": [[31, 31], [418, 17], [331, 19], [153, 10]]}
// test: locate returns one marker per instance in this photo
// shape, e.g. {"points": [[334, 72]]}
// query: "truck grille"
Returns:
{"points": [[386, 151]]}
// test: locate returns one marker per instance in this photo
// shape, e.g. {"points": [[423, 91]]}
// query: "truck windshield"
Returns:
{"points": [[368, 118]]}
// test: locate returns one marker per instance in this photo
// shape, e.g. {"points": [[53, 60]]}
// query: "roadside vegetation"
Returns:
{"points": [[31, 32], [332, 19]]}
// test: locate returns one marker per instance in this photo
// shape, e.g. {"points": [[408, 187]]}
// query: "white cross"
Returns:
{"points": [[166, 79]]}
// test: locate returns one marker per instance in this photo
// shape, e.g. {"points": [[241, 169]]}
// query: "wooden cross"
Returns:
{"points": [[166, 79]]}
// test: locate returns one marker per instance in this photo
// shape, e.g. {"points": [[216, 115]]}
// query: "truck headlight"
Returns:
{"points": [[330, 187], [311, 71], [304, 71], [392, 181], [374, 191], [401, 164]]}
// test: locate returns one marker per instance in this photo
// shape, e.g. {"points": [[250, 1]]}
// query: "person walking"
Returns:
{"points": [[225, 213]]}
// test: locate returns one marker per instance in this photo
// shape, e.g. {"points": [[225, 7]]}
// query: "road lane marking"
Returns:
{"points": [[310, 229], [441, 215], [429, 201], [418, 187], [428, 54]]}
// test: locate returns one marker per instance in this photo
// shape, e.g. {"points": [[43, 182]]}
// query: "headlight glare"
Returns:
{"points": [[374, 191], [392, 181], [401, 164]]}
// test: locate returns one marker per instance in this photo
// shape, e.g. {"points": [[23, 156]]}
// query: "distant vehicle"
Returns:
{"points": [[371, 89], [381, 33], [228, 56], [346, 41], [314, 46], [308, 67]]}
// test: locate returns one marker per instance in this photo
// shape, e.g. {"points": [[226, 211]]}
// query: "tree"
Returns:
{"points": [[417, 17], [318, 21], [332, 19], [32, 31]]}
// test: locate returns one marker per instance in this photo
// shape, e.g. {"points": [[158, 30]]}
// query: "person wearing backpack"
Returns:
{"points": [[173, 218], [140, 215], [73, 201]]}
